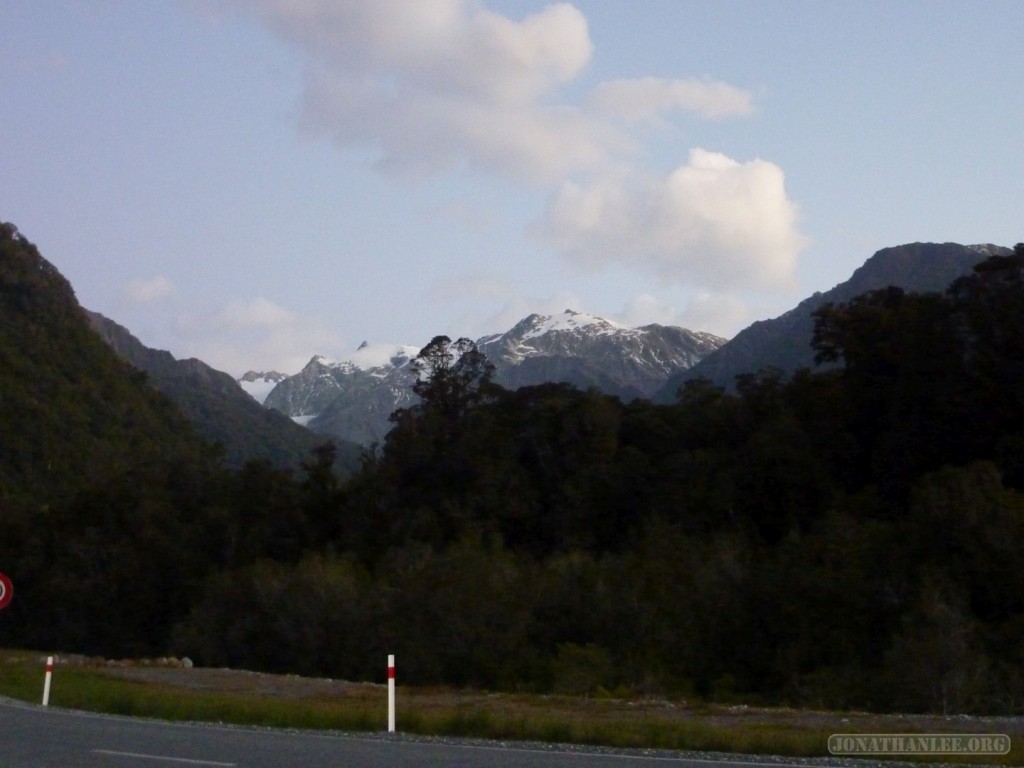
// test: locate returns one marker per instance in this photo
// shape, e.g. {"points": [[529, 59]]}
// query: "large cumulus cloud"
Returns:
{"points": [[712, 221], [437, 85]]}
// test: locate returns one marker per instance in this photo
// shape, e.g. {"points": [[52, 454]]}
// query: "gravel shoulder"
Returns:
{"points": [[295, 687]]}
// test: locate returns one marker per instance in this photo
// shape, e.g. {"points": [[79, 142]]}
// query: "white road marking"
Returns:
{"points": [[164, 758]]}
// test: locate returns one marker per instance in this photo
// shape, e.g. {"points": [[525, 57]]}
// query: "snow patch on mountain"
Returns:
{"points": [[258, 384], [573, 322], [987, 249], [377, 359], [352, 395]]}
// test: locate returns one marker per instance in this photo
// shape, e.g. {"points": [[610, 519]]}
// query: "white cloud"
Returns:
{"points": [[422, 133], [645, 309], [238, 315], [147, 291], [519, 307], [723, 314], [646, 98], [435, 85], [256, 334], [713, 222], [452, 47]]}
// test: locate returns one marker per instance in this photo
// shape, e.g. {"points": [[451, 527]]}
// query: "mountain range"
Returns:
{"points": [[588, 351], [127, 537], [350, 400], [353, 398]]}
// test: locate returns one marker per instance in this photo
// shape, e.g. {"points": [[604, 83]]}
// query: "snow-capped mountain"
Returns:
{"points": [[589, 351], [352, 398]]}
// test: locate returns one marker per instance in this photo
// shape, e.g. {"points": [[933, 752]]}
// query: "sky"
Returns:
{"points": [[255, 182]]}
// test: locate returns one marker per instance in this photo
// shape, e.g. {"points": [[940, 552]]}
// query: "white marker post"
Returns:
{"points": [[391, 693], [46, 683]]}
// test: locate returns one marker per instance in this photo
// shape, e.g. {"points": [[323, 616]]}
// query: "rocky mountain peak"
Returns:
{"points": [[353, 397]]}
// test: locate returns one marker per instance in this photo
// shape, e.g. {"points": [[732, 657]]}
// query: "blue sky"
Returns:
{"points": [[253, 183]]}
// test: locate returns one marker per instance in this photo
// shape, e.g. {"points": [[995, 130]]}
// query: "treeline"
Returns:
{"points": [[852, 536]]}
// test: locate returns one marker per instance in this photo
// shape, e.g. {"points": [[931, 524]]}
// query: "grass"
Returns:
{"points": [[93, 690], [361, 708]]}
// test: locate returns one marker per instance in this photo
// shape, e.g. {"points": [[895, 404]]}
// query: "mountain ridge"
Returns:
{"points": [[355, 396], [784, 342], [586, 351], [592, 351], [73, 413], [217, 406]]}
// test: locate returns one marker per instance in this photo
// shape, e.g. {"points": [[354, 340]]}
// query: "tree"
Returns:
{"points": [[321, 491], [422, 485], [904, 381], [452, 376], [989, 307]]}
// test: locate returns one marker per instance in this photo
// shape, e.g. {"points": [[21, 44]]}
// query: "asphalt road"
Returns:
{"points": [[34, 737]]}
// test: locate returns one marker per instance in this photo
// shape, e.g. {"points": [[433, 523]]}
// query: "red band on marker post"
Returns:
{"points": [[391, 693], [46, 681]]}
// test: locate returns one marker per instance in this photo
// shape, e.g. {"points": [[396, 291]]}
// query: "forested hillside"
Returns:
{"points": [[782, 342], [847, 538], [91, 458], [70, 411], [219, 409]]}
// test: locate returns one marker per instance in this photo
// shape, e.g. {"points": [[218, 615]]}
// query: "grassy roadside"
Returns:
{"points": [[285, 701]]}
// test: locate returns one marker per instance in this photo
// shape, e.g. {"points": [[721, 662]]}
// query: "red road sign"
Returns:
{"points": [[6, 591]]}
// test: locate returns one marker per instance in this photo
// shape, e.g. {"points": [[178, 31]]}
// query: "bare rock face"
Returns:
{"points": [[349, 399]]}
